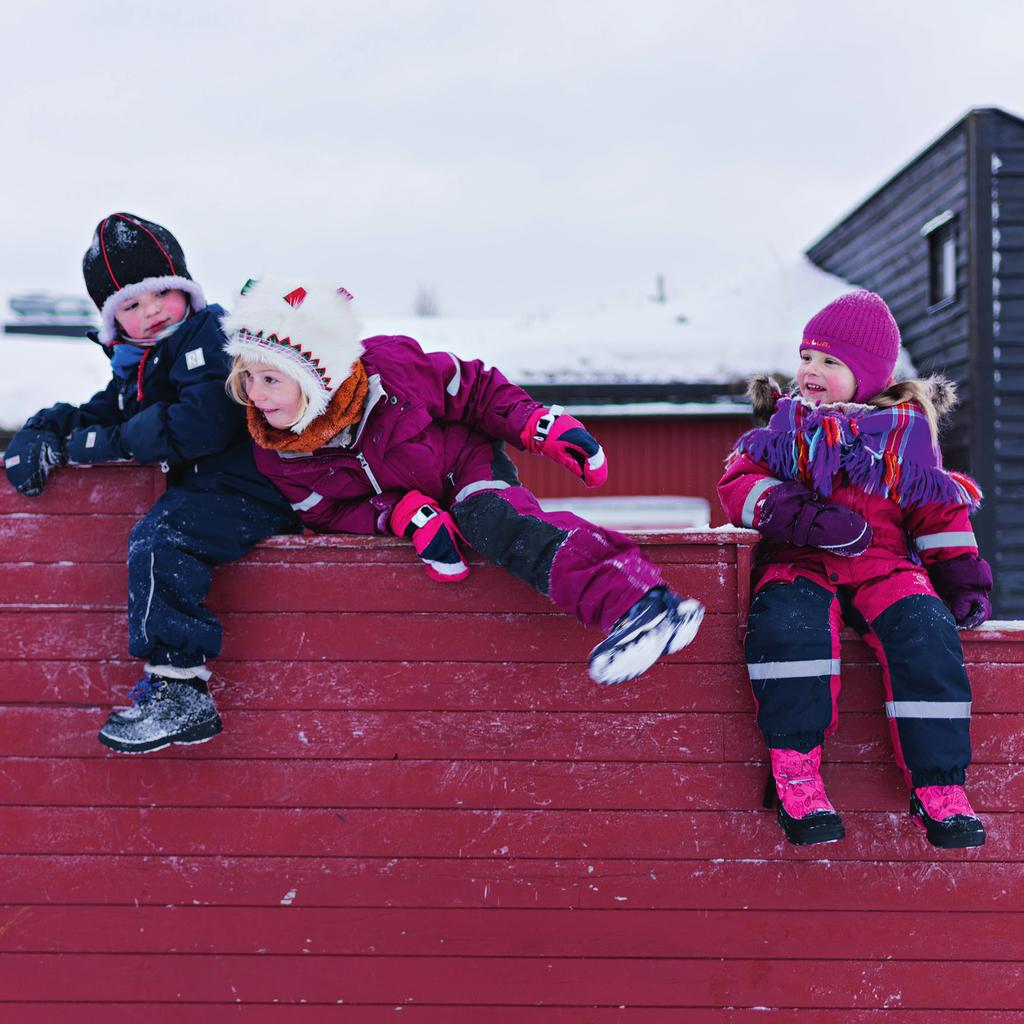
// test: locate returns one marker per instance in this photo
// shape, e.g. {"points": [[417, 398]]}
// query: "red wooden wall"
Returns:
{"points": [[423, 810], [681, 455]]}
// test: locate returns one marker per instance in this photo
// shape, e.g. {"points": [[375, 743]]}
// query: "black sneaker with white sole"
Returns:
{"points": [[164, 711], [661, 622]]}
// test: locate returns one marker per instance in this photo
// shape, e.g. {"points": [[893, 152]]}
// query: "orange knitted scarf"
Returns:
{"points": [[344, 409]]}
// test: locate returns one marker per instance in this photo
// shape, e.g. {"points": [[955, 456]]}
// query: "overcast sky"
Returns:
{"points": [[514, 156]]}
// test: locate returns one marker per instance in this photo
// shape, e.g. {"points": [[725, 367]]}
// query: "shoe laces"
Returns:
{"points": [[146, 689], [942, 802]]}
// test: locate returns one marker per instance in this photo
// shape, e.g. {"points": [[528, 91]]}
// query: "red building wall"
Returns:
{"points": [[648, 455]]}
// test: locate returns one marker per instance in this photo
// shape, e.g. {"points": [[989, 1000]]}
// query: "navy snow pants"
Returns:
{"points": [[171, 555], [792, 653]]}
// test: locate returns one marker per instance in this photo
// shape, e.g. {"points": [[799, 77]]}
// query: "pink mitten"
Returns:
{"points": [[434, 535], [563, 439]]}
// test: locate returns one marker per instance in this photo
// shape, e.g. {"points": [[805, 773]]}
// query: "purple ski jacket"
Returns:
{"points": [[432, 423]]}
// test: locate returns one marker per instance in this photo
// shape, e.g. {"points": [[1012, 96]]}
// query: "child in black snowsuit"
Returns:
{"points": [[165, 404]]}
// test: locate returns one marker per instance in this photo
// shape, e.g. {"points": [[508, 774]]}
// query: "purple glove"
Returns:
{"points": [[964, 584], [791, 514]]}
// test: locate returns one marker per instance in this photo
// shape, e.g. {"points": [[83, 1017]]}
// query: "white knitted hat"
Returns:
{"points": [[311, 335]]}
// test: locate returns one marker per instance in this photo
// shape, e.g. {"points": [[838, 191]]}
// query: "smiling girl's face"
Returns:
{"points": [[274, 393], [823, 379]]}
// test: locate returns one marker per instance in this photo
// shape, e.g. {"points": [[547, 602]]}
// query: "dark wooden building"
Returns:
{"points": [[942, 241]]}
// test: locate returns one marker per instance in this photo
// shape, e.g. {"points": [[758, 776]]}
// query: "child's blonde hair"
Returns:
{"points": [[234, 385]]}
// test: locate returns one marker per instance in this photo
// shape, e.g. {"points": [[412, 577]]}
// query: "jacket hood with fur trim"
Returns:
{"points": [[764, 392]]}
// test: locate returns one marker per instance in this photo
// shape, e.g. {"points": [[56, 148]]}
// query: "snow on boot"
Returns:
{"points": [[165, 711], [661, 622], [796, 787], [947, 816]]}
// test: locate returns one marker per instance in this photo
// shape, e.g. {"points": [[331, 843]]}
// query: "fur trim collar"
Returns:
{"points": [[344, 410], [764, 393]]}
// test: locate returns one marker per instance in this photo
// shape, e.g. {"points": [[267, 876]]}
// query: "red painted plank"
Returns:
{"points": [[297, 587], [737, 883], [486, 686], [689, 547], [100, 537], [504, 981], [87, 491], [489, 686], [291, 931], [388, 636], [331, 1013], [175, 781], [176, 1013], [357, 832], [506, 735], [28, 731], [370, 636]]}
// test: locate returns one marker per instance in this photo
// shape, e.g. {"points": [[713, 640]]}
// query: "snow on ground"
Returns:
{"points": [[663, 512], [37, 371], [747, 326]]}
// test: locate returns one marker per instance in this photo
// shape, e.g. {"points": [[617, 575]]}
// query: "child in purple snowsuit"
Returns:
{"points": [[381, 437]]}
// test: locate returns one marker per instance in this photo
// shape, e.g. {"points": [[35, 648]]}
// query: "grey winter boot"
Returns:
{"points": [[165, 711]]}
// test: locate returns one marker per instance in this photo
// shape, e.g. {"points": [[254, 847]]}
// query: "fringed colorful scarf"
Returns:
{"points": [[887, 452]]}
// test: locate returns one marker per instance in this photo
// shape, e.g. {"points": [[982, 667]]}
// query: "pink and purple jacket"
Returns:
{"points": [[436, 424], [907, 534], [429, 424]]}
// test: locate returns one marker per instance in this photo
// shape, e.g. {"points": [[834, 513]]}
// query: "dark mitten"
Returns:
{"points": [[964, 583], [434, 535], [791, 514], [30, 458], [563, 439], [87, 445]]}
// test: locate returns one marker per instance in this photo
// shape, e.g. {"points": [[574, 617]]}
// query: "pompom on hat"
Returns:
{"points": [[309, 334], [129, 256], [858, 329]]}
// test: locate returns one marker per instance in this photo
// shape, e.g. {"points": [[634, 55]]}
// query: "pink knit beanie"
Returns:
{"points": [[858, 329]]}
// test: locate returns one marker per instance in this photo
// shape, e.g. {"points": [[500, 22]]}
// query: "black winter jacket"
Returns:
{"points": [[184, 419]]}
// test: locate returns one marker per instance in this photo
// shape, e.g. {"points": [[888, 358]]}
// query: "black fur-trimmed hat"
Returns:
{"points": [[128, 256]]}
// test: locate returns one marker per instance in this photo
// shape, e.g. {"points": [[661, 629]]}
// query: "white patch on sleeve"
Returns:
{"points": [[946, 539], [308, 502], [195, 359], [90, 439], [12, 461], [456, 382]]}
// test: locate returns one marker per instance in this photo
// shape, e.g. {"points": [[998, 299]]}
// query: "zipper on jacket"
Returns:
{"points": [[368, 472]]}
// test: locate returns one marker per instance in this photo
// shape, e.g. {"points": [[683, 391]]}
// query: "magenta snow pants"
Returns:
{"points": [[593, 573]]}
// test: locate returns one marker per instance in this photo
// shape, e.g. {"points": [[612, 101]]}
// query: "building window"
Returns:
{"points": [[941, 235]]}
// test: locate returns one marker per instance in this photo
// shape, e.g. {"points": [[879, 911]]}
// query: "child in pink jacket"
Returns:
{"points": [[378, 436], [860, 523]]}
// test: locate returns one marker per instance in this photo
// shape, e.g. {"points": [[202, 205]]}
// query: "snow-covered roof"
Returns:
{"points": [[745, 326], [712, 335]]}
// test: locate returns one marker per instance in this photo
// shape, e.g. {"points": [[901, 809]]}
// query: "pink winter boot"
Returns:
{"points": [[947, 816], [804, 811]]}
